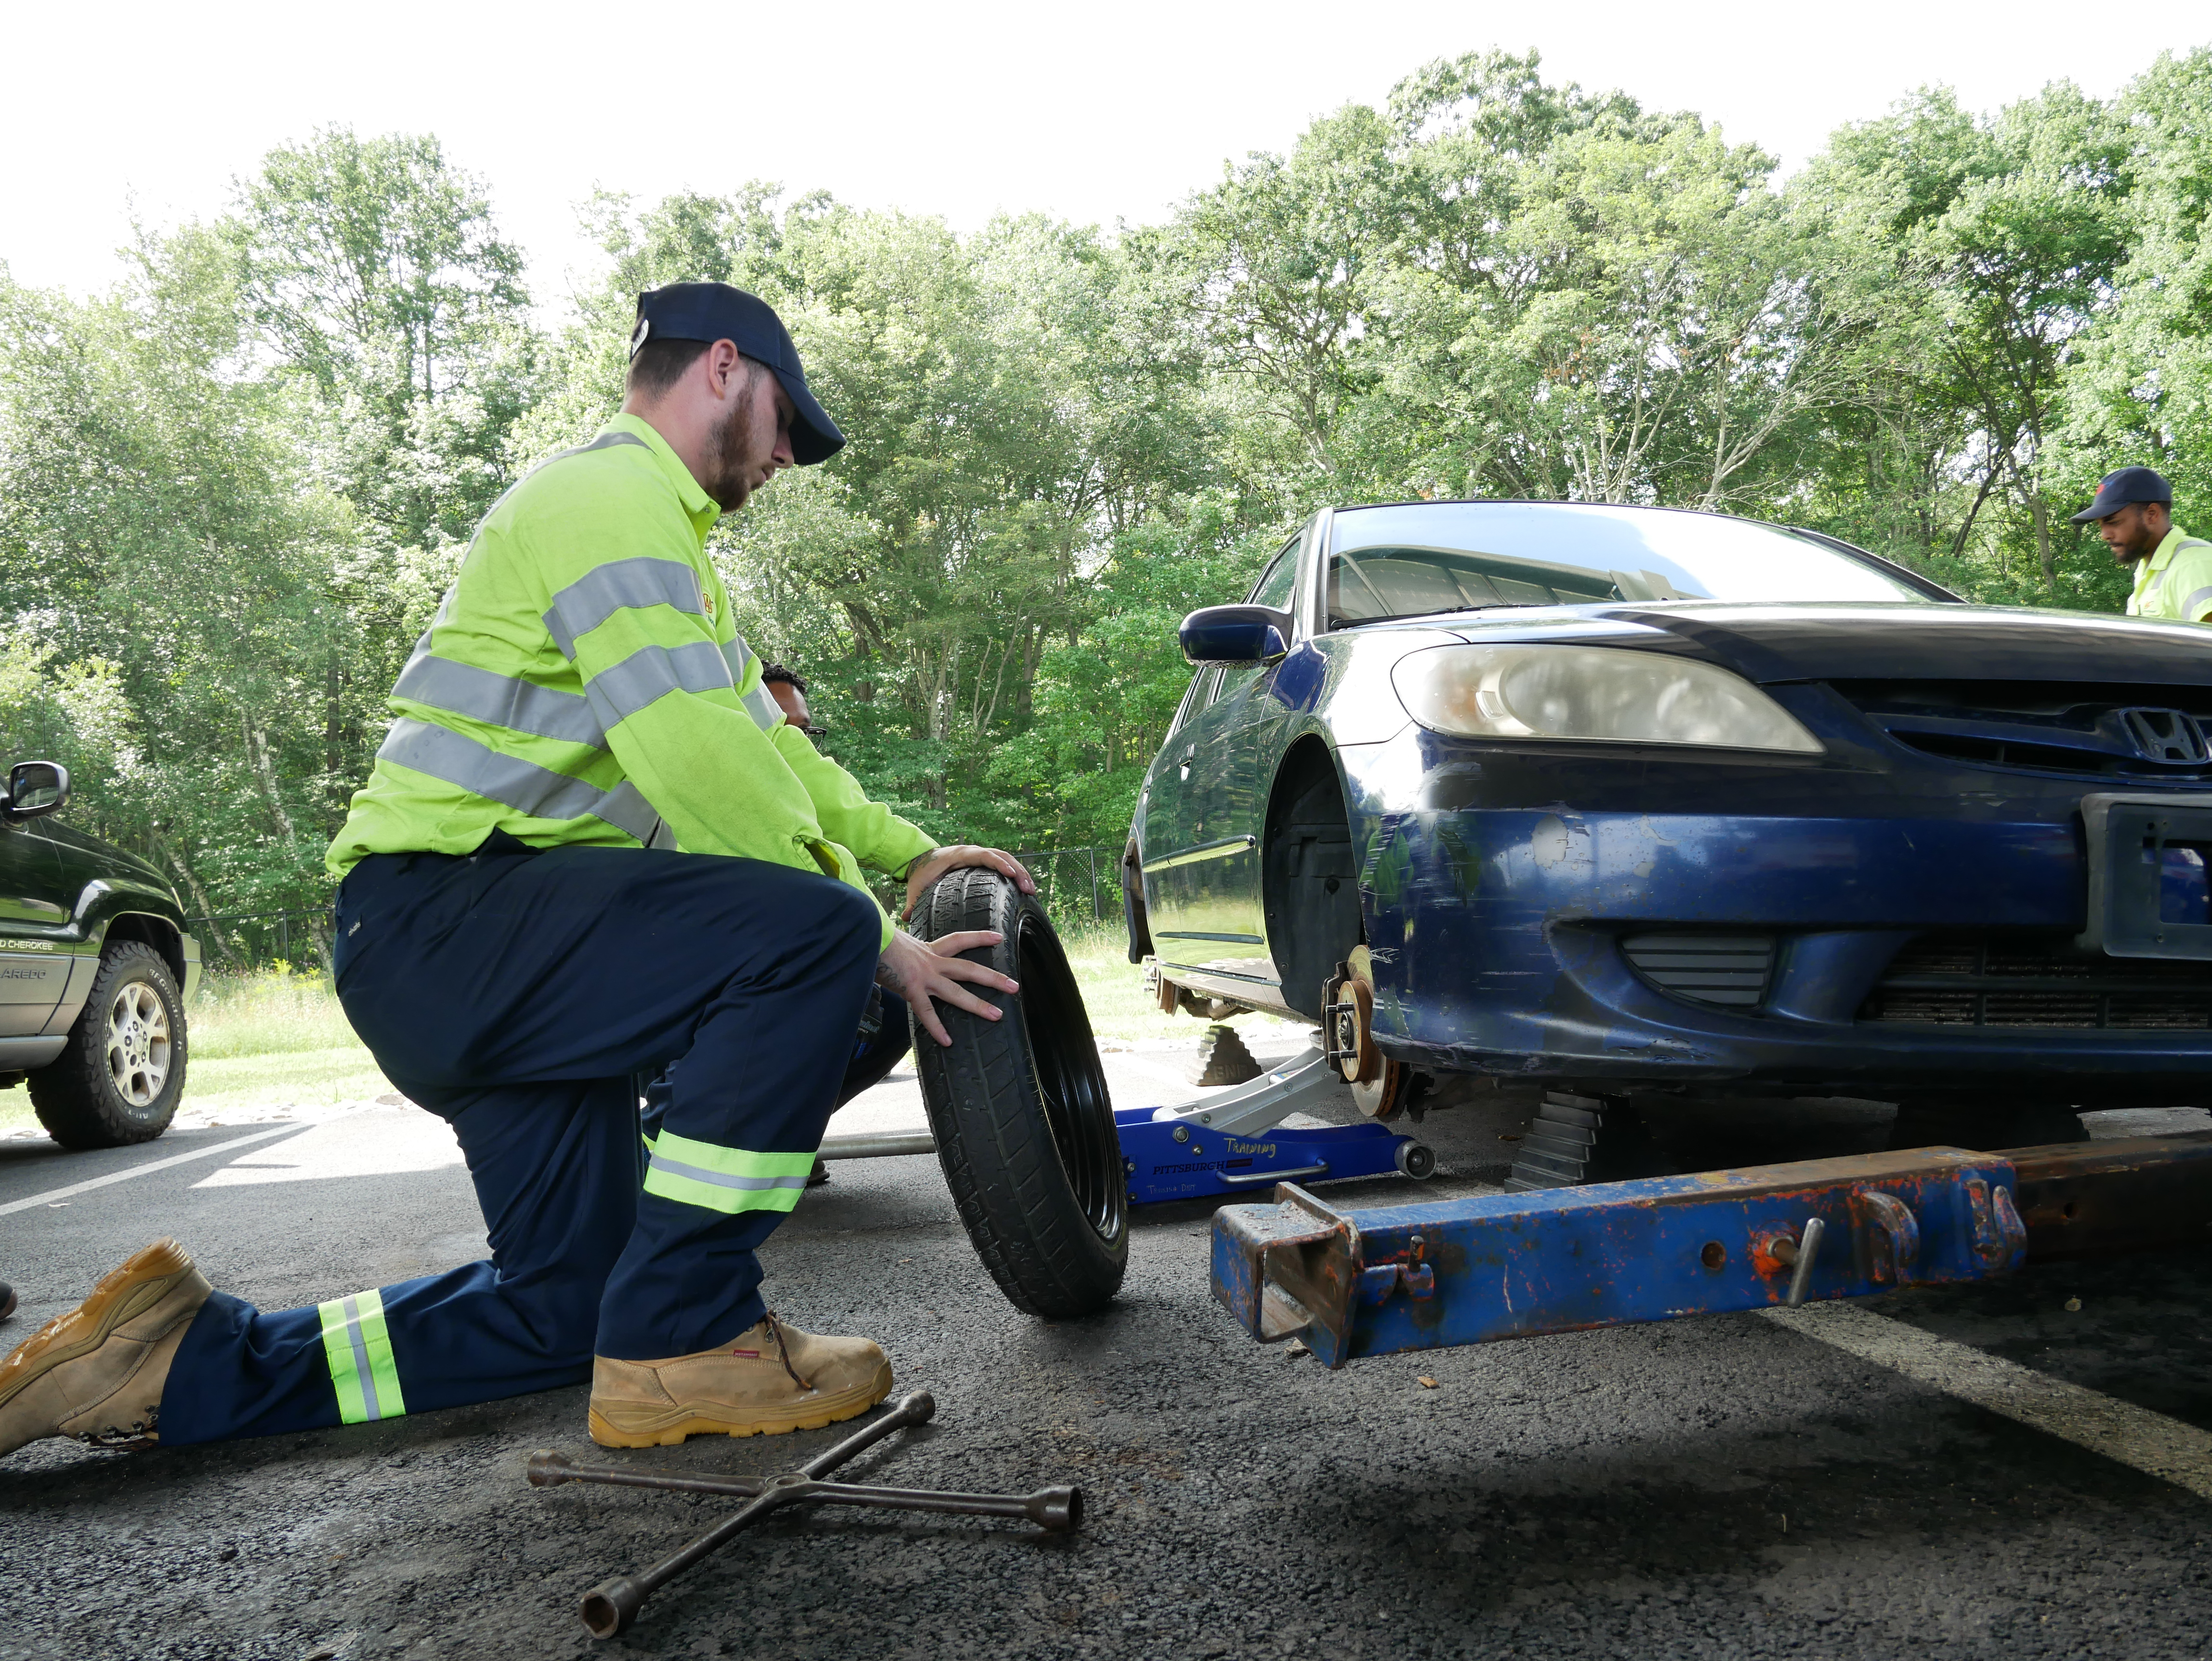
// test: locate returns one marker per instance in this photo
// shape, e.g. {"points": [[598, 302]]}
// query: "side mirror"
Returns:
{"points": [[36, 788], [1236, 634]]}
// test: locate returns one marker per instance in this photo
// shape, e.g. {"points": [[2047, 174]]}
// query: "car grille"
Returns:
{"points": [[1731, 970], [2102, 732], [1966, 980]]}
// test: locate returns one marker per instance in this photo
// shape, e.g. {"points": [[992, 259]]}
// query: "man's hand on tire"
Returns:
{"points": [[928, 972], [932, 865]]}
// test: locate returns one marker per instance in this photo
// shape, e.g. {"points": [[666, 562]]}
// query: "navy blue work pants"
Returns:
{"points": [[519, 993], [874, 1055]]}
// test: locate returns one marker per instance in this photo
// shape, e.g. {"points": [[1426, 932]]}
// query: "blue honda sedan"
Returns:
{"points": [[1634, 801]]}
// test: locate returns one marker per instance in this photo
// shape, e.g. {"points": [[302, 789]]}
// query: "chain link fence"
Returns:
{"points": [[241, 940], [1078, 885]]}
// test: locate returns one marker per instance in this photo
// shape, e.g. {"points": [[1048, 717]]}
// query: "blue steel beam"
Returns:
{"points": [[1469, 1271]]}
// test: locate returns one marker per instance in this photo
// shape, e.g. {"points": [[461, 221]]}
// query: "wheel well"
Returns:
{"points": [[154, 932], [1309, 888]]}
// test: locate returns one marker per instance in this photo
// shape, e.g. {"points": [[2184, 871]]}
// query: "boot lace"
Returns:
{"points": [[783, 1350]]}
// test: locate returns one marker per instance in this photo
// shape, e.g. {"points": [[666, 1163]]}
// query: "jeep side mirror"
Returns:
{"points": [[1236, 634], [36, 788]]}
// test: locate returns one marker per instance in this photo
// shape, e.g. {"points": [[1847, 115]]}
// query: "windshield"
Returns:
{"points": [[1420, 557]]}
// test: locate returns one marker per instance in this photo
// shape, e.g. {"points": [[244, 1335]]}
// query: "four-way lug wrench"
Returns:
{"points": [[608, 1609]]}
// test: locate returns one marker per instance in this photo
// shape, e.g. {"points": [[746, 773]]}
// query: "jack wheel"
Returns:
{"points": [[1417, 1159]]}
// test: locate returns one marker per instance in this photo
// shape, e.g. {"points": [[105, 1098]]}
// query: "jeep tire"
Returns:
{"points": [[1024, 1124], [120, 1076]]}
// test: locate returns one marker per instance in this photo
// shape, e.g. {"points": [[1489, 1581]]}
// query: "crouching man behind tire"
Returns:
{"points": [[516, 939]]}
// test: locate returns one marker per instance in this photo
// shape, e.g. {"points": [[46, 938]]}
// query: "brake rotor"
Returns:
{"points": [[1385, 1099], [1378, 1084]]}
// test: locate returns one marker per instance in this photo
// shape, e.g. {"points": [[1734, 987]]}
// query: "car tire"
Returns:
{"points": [[1019, 1107], [119, 1079]]}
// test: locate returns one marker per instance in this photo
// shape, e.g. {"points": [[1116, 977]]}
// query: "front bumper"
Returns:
{"points": [[1496, 941]]}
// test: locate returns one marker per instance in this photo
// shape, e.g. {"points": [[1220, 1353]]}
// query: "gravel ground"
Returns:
{"points": [[1719, 1487]]}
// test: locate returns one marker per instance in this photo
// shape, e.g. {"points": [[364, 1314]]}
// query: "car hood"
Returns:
{"points": [[1773, 644], [120, 860]]}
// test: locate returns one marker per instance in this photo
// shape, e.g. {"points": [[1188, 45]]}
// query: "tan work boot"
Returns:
{"points": [[771, 1379], [97, 1373]]}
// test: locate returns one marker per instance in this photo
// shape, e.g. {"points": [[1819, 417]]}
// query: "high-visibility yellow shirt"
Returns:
{"points": [[583, 682], [2176, 581]]}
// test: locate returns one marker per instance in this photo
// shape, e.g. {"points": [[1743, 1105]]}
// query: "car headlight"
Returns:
{"points": [[1592, 693]]}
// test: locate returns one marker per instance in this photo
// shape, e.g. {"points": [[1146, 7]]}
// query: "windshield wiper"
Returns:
{"points": [[1335, 624]]}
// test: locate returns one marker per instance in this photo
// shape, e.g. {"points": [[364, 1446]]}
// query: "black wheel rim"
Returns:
{"points": [[1070, 1083]]}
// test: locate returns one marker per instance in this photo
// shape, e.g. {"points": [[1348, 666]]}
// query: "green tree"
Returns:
{"points": [[162, 533], [2142, 392], [373, 269], [1983, 250]]}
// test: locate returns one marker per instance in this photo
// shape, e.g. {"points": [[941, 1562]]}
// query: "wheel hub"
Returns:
{"points": [[137, 1045]]}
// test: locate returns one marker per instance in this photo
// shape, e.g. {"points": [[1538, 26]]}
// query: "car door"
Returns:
{"points": [[34, 964], [1201, 855]]}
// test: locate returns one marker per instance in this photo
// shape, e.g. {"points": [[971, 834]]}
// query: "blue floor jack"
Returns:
{"points": [[1237, 1141], [1233, 1141]]}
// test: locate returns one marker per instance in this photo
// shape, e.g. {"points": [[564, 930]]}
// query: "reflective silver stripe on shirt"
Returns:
{"points": [[760, 703], [462, 688], [651, 673], [722, 1179], [2201, 597], [620, 585], [363, 1373], [604, 441], [627, 809], [509, 780]]}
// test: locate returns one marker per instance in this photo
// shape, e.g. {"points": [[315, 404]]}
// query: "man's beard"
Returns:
{"points": [[729, 442]]}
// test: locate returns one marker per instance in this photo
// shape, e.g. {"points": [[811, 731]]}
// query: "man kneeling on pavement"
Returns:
{"points": [[592, 849]]}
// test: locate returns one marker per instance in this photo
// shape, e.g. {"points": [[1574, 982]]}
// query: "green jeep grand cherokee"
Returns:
{"points": [[95, 968]]}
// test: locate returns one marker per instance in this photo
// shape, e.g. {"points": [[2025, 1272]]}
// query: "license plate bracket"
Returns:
{"points": [[2130, 838]]}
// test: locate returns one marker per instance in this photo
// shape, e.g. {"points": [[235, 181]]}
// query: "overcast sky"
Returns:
{"points": [[1096, 112]]}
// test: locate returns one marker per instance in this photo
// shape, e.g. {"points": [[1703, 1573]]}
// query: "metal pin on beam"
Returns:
{"points": [[1807, 1247]]}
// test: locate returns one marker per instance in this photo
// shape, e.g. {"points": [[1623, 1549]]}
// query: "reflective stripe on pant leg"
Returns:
{"points": [[359, 1350], [725, 1179]]}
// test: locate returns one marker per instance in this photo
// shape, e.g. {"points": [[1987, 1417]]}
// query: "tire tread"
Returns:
{"points": [[992, 1139]]}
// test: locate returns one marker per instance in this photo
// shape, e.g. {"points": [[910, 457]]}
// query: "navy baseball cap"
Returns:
{"points": [[715, 311], [2127, 486]]}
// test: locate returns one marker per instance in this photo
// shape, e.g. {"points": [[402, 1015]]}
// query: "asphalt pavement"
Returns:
{"points": [[1728, 1486]]}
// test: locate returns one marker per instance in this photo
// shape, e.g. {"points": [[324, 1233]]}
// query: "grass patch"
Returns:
{"points": [[275, 1011], [1114, 990]]}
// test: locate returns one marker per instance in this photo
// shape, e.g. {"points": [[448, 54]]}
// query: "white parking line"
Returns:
{"points": [[54, 1194], [2150, 1442]]}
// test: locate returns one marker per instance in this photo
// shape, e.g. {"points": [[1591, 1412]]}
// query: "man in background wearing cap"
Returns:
{"points": [[2134, 513], [517, 937]]}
